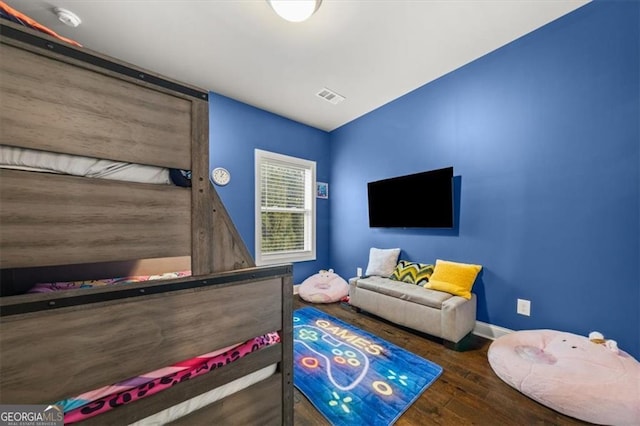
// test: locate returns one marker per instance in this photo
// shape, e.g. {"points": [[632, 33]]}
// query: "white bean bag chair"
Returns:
{"points": [[324, 287], [570, 374]]}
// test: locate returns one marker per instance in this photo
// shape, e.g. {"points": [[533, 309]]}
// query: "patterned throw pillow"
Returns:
{"points": [[412, 272]]}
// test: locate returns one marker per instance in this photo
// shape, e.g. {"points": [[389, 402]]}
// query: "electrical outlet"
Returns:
{"points": [[358, 272], [524, 307]]}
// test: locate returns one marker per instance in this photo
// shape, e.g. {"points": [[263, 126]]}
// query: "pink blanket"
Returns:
{"points": [[104, 399]]}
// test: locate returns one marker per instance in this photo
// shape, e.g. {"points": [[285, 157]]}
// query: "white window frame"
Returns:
{"points": [[309, 252]]}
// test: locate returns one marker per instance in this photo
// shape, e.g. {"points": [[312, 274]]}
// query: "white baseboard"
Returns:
{"points": [[490, 331]]}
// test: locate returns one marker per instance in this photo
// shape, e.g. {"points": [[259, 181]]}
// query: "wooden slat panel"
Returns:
{"points": [[49, 105], [257, 405], [96, 61], [202, 249], [55, 220], [95, 345], [286, 367], [231, 251], [191, 388]]}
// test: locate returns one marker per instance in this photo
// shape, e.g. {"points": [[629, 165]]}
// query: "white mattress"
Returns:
{"points": [[173, 413], [51, 162]]}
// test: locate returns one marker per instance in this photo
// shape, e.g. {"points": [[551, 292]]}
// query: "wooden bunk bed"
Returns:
{"points": [[59, 98]]}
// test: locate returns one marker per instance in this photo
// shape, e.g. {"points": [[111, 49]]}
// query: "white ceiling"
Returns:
{"points": [[370, 51]]}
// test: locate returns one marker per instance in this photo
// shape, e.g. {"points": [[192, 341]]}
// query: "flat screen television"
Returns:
{"points": [[420, 200]]}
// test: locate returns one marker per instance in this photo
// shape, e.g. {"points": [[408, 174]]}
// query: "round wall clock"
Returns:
{"points": [[220, 176]]}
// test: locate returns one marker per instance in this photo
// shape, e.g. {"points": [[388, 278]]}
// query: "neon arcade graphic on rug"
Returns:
{"points": [[351, 376]]}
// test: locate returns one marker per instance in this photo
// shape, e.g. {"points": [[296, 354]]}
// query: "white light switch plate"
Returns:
{"points": [[524, 307]]}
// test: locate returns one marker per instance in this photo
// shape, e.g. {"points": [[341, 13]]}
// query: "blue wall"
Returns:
{"points": [[543, 135], [235, 130]]}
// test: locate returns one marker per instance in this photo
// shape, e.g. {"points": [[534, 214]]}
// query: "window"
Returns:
{"points": [[285, 208]]}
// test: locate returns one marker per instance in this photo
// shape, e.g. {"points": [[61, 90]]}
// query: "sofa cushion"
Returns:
{"points": [[404, 291], [412, 272]]}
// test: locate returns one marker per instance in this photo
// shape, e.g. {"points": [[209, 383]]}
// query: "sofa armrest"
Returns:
{"points": [[458, 317]]}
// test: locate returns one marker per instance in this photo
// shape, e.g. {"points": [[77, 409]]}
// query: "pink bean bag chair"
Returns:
{"points": [[323, 287], [570, 374]]}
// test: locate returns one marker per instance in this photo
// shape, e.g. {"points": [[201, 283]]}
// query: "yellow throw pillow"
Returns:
{"points": [[454, 278]]}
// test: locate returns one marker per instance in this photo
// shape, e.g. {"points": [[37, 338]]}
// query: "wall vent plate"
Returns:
{"points": [[330, 96]]}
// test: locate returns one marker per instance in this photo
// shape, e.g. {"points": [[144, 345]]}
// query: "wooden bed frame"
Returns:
{"points": [[60, 98]]}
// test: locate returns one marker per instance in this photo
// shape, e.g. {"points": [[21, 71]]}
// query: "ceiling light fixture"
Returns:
{"points": [[295, 10], [67, 17]]}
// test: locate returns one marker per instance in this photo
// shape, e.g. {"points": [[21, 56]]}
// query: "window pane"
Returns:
{"points": [[282, 186], [282, 232]]}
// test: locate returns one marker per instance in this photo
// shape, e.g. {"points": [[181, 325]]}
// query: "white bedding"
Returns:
{"points": [[50, 162], [195, 403]]}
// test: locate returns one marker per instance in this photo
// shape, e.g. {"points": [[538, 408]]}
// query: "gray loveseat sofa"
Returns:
{"points": [[433, 312]]}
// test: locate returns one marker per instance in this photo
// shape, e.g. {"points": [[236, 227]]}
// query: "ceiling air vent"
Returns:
{"points": [[330, 96]]}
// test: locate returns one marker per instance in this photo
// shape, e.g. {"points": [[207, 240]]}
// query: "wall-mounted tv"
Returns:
{"points": [[420, 200]]}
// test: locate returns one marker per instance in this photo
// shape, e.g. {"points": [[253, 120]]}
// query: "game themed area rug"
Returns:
{"points": [[353, 377]]}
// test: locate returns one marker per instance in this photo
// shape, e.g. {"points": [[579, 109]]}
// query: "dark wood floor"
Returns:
{"points": [[467, 393]]}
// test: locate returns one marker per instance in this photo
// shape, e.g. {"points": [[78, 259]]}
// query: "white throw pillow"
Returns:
{"points": [[382, 262]]}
